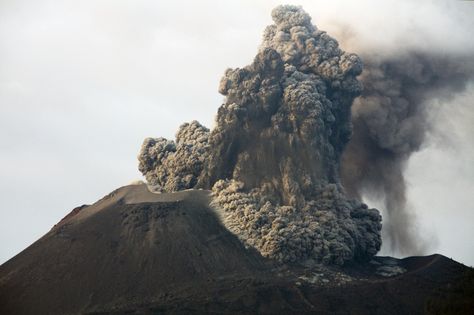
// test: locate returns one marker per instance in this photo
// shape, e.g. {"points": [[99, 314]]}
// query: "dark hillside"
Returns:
{"points": [[137, 252]]}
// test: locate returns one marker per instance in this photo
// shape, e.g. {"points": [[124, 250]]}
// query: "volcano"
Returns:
{"points": [[138, 252], [251, 217]]}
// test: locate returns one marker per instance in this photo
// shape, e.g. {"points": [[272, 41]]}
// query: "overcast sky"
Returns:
{"points": [[82, 83]]}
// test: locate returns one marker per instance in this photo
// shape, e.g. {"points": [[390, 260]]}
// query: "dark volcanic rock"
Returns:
{"points": [[136, 252], [130, 247]]}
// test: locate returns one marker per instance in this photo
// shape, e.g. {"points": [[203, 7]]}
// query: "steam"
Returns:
{"points": [[272, 161], [390, 122]]}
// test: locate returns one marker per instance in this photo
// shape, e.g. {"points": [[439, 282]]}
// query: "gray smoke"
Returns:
{"points": [[174, 166], [272, 161], [390, 122]]}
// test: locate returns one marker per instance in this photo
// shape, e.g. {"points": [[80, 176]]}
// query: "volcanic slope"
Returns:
{"points": [[137, 252], [131, 246]]}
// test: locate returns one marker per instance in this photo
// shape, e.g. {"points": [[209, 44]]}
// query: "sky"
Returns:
{"points": [[82, 83]]}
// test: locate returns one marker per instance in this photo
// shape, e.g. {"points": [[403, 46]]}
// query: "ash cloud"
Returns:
{"points": [[390, 122], [173, 166], [280, 142], [272, 161]]}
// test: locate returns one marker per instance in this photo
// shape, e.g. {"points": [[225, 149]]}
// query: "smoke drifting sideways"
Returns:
{"points": [[272, 161], [390, 122]]}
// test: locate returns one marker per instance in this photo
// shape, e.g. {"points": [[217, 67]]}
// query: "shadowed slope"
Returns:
{"points": [[136, 252], [131, 246]]}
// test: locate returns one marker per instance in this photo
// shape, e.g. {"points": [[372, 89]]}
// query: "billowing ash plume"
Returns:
{"points": [[272, 161], [170, 166], [391, 119]]}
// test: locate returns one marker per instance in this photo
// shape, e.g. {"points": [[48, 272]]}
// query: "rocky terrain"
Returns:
{"points": [[138, 252]]}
